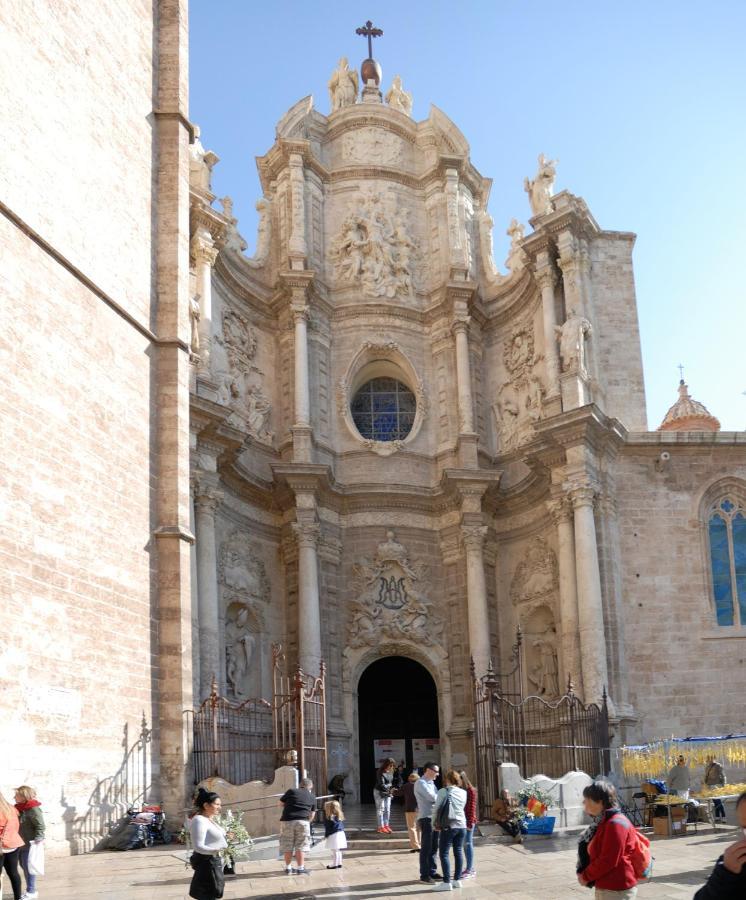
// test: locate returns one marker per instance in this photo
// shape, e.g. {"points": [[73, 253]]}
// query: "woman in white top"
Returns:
{"points": [[452, 831], [208, 839]]}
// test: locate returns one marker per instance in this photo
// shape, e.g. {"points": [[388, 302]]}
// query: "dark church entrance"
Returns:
{"points": [[398, 702]]}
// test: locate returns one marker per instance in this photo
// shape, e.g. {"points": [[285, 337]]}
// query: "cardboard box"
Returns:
{"points": [[661, 826]]}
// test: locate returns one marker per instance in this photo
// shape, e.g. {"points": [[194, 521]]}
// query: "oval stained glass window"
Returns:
{"points": [[383, 409]]}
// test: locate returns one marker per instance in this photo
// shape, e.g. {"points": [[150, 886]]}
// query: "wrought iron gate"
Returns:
{"points": [[247, 741], [547, 737]]}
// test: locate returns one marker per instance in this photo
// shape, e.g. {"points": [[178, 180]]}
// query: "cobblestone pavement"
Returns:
{"points": [[541, 869]]}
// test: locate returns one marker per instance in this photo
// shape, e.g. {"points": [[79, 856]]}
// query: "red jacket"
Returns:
{"points": [[610, 850], [471, 807]]}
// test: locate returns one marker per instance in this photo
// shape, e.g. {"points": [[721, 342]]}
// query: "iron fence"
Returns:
{"points": [[247, 741]]}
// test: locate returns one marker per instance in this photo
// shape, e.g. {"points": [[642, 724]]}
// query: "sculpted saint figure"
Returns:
{"points": [[258, 409], [515, 254], [541, 188], [343, 86], [194, 316], [572, 336], [398, 98], [239, 651]]}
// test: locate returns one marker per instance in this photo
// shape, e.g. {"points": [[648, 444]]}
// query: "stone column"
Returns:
{"points": [[206, 501], [463, 375], [562, 514], [546, 278], [476, 593], [309, 618], [302, 395], [590, 602], [204, 253]]}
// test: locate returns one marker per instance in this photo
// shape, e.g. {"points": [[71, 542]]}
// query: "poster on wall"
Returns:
{"points": [[425, 750], [390, 747]]}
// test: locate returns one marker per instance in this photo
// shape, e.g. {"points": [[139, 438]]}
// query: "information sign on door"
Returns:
{"points": [[394, 748], [425, 750]]}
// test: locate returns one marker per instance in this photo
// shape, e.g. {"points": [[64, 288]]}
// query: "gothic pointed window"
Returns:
{"points": [[383, 409], [726, 527]]}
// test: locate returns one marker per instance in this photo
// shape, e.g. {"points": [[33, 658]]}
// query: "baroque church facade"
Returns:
{"points": [[364, 441]]}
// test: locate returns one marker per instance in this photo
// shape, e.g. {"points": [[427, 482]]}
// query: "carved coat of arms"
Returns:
{"points": [[389, 601]]}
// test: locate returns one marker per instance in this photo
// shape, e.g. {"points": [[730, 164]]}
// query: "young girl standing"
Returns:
{"points": [[334, 829]]}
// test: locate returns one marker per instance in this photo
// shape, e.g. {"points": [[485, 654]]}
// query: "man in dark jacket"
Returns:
{"points": [[728, 878]]}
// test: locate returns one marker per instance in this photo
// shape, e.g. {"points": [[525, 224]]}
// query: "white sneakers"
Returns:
{"points": [[443, 886]]}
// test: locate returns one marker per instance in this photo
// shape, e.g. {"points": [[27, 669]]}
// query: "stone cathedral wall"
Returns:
{"points": [[76, 548], [686, 674]]}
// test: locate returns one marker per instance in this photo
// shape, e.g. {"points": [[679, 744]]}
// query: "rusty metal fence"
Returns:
{"points": [[547, 737], [247, 741]]}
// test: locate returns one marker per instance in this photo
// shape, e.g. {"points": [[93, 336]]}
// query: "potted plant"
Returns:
{"points": [[533, 804]]}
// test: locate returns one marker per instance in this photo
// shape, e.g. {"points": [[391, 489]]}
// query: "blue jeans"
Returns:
{"points": [[718, 808], [428, 848], [452, 837], [30, 879], [469, 848], [383, 807]]}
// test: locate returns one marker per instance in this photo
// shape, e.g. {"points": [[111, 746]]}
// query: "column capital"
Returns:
{"points": [[202, 247], [307, 533], [207, 499], [582, 495], [300, 311], [474, 536], [546, 276], [461, 324]]}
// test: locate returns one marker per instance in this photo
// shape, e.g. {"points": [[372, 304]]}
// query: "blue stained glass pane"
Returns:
{"points": [[363, 423], [384, 403], [739, 555], [383, 384], [720, 559], [727, 506], [361, 403], [406, 402]]}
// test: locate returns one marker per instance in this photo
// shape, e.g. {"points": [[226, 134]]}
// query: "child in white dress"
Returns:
{"points": [[334, 829]]}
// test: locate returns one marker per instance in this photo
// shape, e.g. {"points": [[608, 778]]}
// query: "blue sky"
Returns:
{"points": [[643, 103]]}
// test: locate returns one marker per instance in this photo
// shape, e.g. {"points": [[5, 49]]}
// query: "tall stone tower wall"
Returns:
{"points": [[94, 243]]}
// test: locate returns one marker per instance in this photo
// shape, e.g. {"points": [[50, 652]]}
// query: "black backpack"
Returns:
{"points": [[443, 816]]}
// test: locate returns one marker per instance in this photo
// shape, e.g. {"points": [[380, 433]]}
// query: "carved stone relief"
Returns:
{"points": [[389, 599], [372, 146], [537, 575], [375, 249], [519, 399], [540, 642], [238, 377], [241, 572]]}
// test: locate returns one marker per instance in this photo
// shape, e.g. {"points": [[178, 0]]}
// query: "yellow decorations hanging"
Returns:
{"points": [[657, 759]]}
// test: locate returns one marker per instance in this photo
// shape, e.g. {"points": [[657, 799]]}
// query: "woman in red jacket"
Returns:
{"points": [[610, 869]]}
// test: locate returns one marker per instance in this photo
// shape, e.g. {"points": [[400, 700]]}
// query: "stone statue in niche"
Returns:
{"points": [[389, 602], [572, 336], [375, 248], [541, 188], [398, 98], [343, 86], [258, 409], [201, 164], [544, 674], [240, 645], [195, 315], [516, 258]]}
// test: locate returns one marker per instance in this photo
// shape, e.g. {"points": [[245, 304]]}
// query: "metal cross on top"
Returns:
{"points": [[370, 32], [681, 371]]}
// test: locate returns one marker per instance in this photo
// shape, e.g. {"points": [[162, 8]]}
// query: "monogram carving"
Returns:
{"points": [[389, 600], [372, 146]]}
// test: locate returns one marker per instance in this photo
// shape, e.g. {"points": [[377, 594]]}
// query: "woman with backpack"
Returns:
{"points": [[449, 818], [607, 849]]}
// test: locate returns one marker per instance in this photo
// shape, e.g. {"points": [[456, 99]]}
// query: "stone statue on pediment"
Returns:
{"points": [[343, 86], [541, 188], [398, 98], [516, 258]]}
